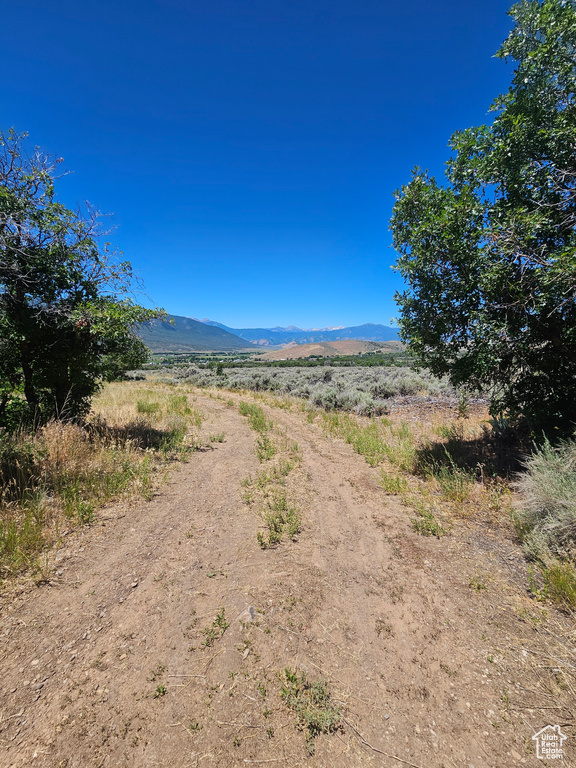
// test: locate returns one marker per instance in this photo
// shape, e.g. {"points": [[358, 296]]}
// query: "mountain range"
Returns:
{"points": [[183, 334], [265, 337], [186, 334]]}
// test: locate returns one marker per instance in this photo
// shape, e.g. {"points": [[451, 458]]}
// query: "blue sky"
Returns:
{"points": [[249, 149]]}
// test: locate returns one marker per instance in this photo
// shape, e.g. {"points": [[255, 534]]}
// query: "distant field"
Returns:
{"points": [[326, 349], [362, 390]]}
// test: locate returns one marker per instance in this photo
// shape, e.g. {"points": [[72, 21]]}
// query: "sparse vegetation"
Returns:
{"points": [[478, 584], [393, 484], [280, 515], [366, 439], [425, 522], [265, 448], [256, 416], [312, 703], [455, 482], [216, 629], [61, 474]]}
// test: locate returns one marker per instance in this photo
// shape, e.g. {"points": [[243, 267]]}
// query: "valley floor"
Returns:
{"points": [[163, 635]]}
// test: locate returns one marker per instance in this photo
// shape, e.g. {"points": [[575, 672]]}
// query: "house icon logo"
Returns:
{"points": [[549, 743]]}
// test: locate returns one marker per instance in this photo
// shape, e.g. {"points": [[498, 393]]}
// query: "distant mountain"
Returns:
{"points": [[278, 336], [189, 335]]}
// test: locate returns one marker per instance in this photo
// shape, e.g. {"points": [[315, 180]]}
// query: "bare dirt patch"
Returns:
{"points": [[164, 635]]}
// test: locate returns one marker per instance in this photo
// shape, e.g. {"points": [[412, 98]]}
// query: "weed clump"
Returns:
{"points": [[215, 630], [393, 484], [265, 448], [425, 522], [455, 482], [281, 518], [312, 704], [560, 583], [256, 416]]}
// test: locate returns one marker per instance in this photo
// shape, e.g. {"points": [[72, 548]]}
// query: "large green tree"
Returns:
{"points": [[66, 309], [489, 259]]}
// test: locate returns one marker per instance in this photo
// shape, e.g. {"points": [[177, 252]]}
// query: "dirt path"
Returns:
{"points": [[109, 664]]}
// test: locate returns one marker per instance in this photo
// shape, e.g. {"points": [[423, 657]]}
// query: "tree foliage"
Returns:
{"points": [[489, 259], [66, 312]]}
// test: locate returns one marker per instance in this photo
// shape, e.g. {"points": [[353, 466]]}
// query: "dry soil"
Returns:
{"points": [[430, 646]]}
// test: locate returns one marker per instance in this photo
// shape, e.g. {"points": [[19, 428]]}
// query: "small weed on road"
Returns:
{"points": [[216, 629], [312, 703]]}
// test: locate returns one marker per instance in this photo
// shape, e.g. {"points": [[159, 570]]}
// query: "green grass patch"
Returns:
{"points": [[256, 416], [265, 447], [455, 483], [393, 484], [425, 522], [365, 439], [560, 583], [147, 407]]}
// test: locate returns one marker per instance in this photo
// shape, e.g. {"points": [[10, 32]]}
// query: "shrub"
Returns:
{"points": [[357, 389], [549, 491]]}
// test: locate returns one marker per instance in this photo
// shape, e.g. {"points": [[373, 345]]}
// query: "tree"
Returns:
{"points": [[490, 260], [66, 314]]}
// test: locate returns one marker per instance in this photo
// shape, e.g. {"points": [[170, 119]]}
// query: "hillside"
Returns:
{"points": [[278, 336], [326, 349], [188, 335]]}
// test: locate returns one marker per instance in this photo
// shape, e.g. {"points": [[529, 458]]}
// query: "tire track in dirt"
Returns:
{"points": [[109, 666]]}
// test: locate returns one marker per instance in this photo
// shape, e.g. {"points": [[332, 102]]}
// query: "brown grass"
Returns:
{"points": [[61, 475]]}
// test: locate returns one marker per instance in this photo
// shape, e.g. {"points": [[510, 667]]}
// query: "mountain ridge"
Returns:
{"points": [[279, 336], [188, 334], [185, 334]]}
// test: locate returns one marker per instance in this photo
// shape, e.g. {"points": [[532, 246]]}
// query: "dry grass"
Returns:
{"points": [[61, 475], [267, 490], [433, 461]]}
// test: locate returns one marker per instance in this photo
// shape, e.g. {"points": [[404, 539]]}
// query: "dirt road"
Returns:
{"points": [[124, 657]]}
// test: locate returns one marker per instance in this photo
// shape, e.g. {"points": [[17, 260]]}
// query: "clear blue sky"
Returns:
{"points": [[249, 149]]}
